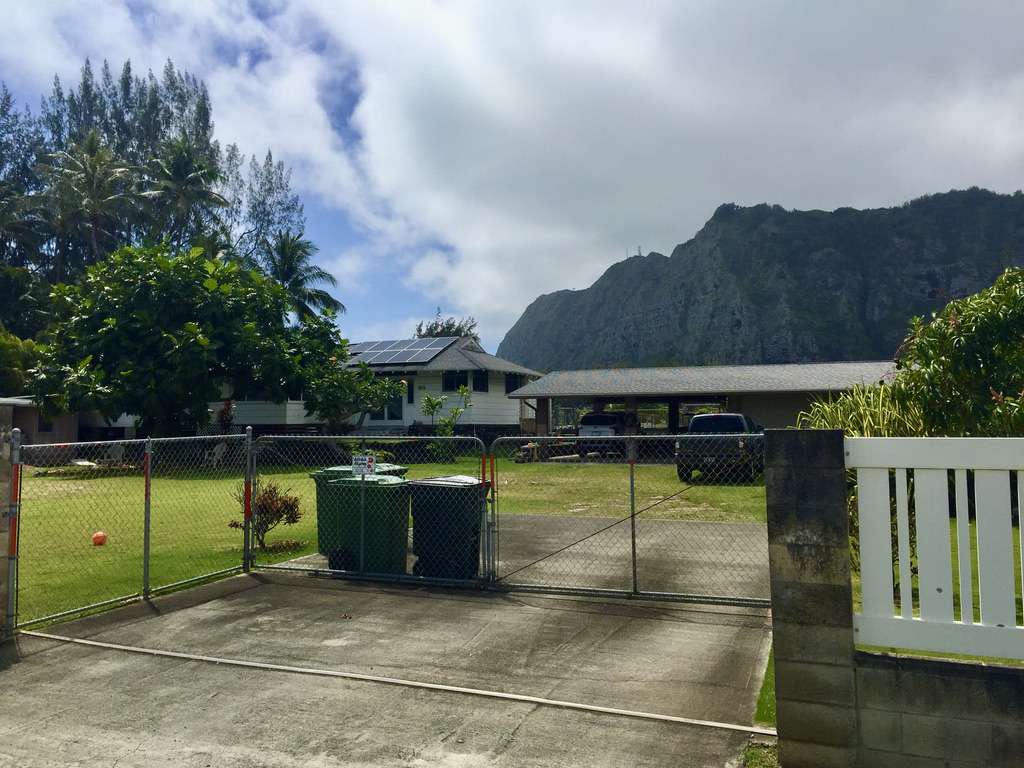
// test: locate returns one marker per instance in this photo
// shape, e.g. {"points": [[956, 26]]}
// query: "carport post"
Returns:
{"points": [[247, 503], [631, 447], [147, 470], [11, 611]]}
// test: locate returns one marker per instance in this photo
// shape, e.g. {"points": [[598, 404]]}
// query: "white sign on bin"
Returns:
{"points": [[364, 465]]}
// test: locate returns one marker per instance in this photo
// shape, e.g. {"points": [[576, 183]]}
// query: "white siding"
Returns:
{"points": [[267, 412], [491, 407]]}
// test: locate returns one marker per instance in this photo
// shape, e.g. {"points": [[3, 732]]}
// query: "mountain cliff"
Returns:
{"points": [[763, 284]]}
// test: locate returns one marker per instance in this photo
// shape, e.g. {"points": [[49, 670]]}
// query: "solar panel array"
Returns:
{"points": [[400, 352]]}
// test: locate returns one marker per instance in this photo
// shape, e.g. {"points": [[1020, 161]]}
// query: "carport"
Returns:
{"points": [[773, 395]]}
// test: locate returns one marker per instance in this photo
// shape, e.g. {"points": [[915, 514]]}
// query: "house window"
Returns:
{"points": [[452, 380], [513, 381], [480, 381], [410, 391]]}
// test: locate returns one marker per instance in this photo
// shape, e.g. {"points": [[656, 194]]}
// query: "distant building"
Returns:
{"points": [[432, 366], [772, 395]]}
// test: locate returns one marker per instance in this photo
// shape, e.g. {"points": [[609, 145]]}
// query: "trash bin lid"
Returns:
{"points": [[374, 479], [449, 480]]}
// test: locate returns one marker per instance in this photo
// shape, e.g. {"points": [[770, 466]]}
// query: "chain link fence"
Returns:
{"points": [[680, 517], [106, 522]]}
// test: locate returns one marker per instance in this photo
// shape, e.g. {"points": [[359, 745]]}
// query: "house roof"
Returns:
{"points": [[707, 380], [465, 354]]}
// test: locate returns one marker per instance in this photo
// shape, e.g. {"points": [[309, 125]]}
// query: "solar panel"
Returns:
{"points": [[400, 352]]}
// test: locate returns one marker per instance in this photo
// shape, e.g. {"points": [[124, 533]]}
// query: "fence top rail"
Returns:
{"points": [[375, 438], [684, 436], [156, 441], [996, 453], [84, 444]]}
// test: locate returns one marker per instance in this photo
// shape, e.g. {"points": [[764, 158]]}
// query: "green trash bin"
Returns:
{"points": [[327, 514], [446, 514], [372, 513]]}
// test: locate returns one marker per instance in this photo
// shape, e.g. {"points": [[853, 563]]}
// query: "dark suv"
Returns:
{"points": [[724, 447]]}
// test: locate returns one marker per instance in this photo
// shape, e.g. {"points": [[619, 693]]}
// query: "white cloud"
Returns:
{"points": [[392, 329], [350, 269], [537, 143]]}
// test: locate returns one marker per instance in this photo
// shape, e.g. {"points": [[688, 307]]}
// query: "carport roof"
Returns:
{"points": [[707, 380]]}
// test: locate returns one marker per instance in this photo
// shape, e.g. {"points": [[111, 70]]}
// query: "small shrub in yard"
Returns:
{"points": [[271, 507]]}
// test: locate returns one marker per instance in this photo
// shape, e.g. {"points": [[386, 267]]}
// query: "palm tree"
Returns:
{"points": [[90, 189], [181, 182], [289, 261]]}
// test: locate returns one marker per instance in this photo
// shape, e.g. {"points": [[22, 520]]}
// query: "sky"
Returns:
{"points": [[473, 155]]}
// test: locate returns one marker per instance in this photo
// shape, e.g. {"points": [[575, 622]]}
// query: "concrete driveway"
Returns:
{"points": [[689, 556], [72, 705]]}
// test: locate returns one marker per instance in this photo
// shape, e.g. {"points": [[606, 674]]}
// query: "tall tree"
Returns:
{"points": [[180, 182], [289, 261], [448, 326], [92, 189]]}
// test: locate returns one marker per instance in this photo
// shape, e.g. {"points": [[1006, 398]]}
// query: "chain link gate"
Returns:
{"points": [[672, 517]]}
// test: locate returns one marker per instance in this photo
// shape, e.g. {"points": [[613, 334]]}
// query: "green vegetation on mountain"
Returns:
{"points": [[767, 285]]}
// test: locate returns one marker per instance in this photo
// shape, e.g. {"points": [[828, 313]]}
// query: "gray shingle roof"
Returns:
{"points": [[707, 380], [463, 355]]}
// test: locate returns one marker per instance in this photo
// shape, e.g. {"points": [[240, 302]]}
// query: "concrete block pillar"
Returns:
{"points": [[809, 558], [6, 422]]}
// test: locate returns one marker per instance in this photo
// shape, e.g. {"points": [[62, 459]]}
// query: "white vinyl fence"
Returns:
{"points": [[908, 492]]}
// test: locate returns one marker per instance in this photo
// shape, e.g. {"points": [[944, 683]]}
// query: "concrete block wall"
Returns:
{"points": [[840, 707], [930, 712]]}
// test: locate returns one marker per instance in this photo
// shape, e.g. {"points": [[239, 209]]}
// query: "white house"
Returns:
{"points": [[431, 366]]}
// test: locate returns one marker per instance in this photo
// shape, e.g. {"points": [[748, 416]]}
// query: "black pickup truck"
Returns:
{"points": [[723, 447]]}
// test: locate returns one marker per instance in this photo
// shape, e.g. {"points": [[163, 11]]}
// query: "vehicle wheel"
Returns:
{"points": [[684, 473]]}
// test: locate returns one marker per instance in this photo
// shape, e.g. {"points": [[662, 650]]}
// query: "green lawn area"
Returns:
{"points": [[765, 711], [60, 569]]}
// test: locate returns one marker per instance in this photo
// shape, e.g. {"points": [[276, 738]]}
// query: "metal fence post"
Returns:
{"points": [[11, 612], [631, 448], [493, 523], [250, 466], [147, 473]]}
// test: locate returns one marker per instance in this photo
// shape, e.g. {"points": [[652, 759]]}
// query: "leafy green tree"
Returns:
{"points": [[17, 357], [289, 261], [160, 336], [448, 326], [965, 367], [24, 302]]}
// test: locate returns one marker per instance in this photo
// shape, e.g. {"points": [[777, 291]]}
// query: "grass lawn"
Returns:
{"points": [[761, 756], [60, 569], [765, 711]]}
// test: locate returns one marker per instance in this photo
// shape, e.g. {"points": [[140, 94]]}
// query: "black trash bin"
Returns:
{"points": [[446, 514]]}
